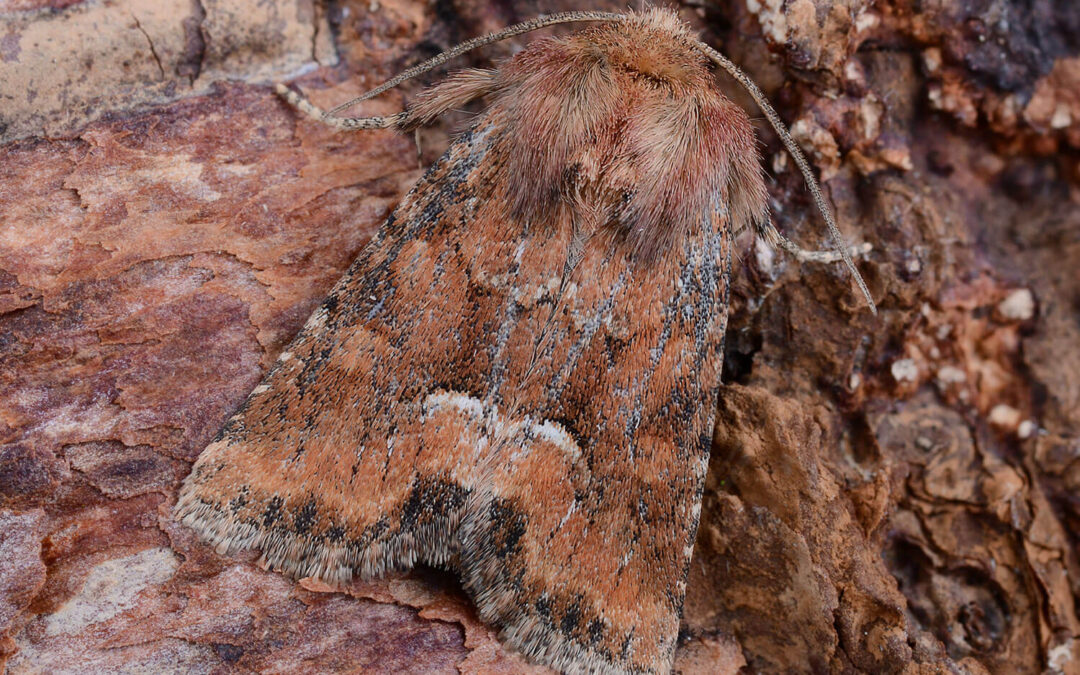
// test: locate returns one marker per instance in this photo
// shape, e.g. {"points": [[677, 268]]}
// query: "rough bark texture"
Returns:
{"points": [[896, 493]]}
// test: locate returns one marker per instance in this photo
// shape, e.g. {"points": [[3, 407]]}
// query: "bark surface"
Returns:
{"points": [[898, 493]]}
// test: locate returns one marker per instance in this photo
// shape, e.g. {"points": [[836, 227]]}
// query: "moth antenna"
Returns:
{"points": [[800, 160], [541, 21], [346, 123], [773, 237]]}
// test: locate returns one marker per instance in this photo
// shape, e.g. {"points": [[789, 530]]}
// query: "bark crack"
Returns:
{"points": [[153, 51]]}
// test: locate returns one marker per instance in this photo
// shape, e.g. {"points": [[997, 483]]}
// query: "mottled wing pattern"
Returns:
{"points": [[579, 542], [342, 461], [516, 401]]}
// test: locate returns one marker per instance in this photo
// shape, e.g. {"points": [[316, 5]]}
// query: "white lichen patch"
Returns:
{"points": [[111, 588], [770, 14], [1018, 305], [1026, 429], [1060, 657], [905, 370], [1062, 118], [1005, 417], [866, 20]]}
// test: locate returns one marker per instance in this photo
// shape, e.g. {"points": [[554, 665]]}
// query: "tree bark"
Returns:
{"points": [[890, 493]]}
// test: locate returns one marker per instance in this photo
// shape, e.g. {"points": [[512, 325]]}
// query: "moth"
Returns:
{"points": [[516, 379]]}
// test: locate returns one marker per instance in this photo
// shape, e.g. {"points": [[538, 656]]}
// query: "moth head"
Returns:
{"points": [[624, 121], [656, 44]]}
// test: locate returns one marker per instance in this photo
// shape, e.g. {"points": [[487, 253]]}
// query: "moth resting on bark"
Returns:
{"points": [[517, 378]]}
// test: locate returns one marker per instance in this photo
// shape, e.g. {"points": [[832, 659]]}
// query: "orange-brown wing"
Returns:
{"points": [[468, 396], [342, 461], [578, 538]]}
